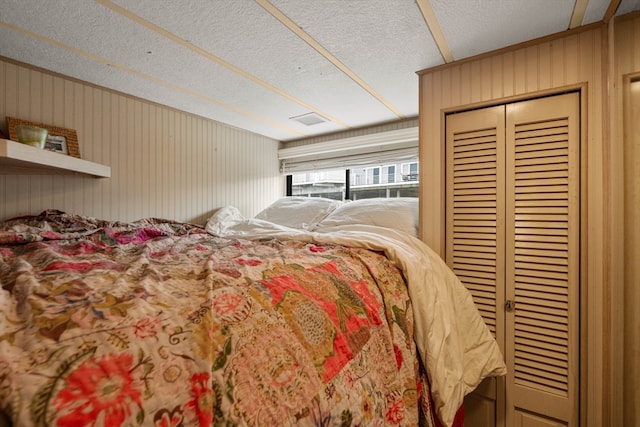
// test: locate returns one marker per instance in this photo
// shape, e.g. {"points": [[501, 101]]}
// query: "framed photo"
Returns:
{"points": [[60, 140], [57, 143]]}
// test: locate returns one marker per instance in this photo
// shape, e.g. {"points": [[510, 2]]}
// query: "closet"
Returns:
{"points": [[512, 222]]}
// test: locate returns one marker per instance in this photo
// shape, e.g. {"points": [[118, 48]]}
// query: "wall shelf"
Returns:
{"points": [[21, 159]]}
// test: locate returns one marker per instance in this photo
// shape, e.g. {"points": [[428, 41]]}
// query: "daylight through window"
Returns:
{"points": [[389, 180]]}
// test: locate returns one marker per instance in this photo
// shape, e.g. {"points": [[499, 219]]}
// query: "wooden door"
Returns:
{"points": [[542, 264], [513, 239], [475, 226]]}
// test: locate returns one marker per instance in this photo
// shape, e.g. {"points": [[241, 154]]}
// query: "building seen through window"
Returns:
{"points": [[391, 180]]}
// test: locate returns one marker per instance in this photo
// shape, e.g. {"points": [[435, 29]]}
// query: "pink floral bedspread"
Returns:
{"points": [[158, 323]]}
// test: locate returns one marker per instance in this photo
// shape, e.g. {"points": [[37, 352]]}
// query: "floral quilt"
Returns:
{"points": [[159, 323]]}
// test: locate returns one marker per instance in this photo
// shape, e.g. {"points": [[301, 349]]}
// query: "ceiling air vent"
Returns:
{"points": [[309, 119]]}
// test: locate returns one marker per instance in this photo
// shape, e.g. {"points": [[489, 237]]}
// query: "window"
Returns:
{"points": [[328, 184], [391, 180], [390, 173], [409, 171], [383, 164]]}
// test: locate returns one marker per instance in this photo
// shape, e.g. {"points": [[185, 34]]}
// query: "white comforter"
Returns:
{"points": [[454, 343]]}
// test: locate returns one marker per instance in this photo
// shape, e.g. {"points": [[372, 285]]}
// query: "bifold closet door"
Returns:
{"points": [[475, 226], [512, 229], [542, 264], [476, 208]]}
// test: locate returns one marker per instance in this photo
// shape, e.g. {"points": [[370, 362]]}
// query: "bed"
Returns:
{"points": [[313, 312]]}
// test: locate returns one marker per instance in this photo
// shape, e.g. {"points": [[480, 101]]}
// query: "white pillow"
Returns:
{"points": [[298, 212], [223, 218], [398, 213]]}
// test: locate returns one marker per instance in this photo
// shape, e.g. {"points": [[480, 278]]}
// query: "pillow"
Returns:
{"points": [[222, 219], [298, 212], [398, 213]]}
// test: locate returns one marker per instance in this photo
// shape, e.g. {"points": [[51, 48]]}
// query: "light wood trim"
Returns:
{"points": [[630, 295], [297, 30], [205, 54], [435, 29], [578, 13], [183, 89], [611, 10]]}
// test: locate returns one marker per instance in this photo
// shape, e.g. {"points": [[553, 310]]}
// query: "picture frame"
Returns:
{"points": [[59, 140]]}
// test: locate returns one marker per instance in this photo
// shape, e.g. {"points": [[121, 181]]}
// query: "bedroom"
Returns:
{"points": [[243, 169]]}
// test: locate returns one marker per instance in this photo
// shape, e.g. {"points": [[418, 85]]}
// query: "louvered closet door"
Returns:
{"points": [[475, 160], [476, 209], [542, 261], [512, 230]]}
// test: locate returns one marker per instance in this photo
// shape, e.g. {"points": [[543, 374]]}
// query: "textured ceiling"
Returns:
{"points": [[255, 64]]}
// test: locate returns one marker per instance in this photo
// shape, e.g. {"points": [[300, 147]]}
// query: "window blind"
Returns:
{"points": [[381, 148]]}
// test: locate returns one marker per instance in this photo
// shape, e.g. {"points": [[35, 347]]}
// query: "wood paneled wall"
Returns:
{"points": [[164, 163], [626, 133], [573, 60]]}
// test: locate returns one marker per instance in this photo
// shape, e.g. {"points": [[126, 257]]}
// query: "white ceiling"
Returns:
{"points": [[254, 64]]}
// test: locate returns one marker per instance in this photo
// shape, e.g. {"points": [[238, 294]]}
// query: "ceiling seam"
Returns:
{"points": [[121, 67], [436, 31], [287, 22], [171, 36]]}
